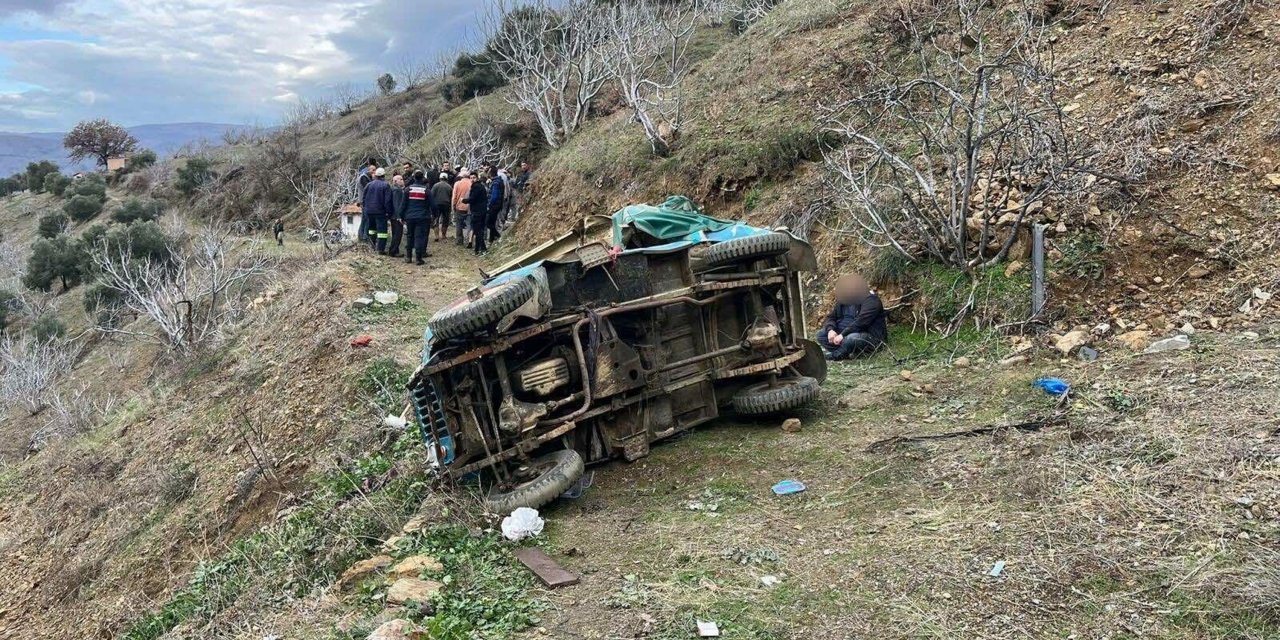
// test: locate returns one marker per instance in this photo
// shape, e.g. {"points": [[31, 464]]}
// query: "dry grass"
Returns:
{"points": [[1111, 526]]}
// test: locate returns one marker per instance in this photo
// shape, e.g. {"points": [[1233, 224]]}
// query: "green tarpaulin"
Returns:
{"points": [[676, 219]]}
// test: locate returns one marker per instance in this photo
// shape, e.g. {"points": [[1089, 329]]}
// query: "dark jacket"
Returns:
{"points": [[399, 203], [497, 194], [377, 199], [419, 206], [867, 316], [477, 200], [442, 196]]}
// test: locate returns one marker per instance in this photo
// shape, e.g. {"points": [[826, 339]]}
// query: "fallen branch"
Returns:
{"points": [[1034, 425]]}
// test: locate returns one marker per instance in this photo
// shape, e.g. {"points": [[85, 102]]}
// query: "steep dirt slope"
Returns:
{"points": [[99, 530]]}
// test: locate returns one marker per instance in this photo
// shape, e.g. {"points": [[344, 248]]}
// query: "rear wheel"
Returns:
{"points": [[538, 483], [757, 247], [776, 396], [467, 316]]}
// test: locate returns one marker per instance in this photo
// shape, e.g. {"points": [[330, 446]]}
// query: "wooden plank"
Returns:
{"points": [[548, 571]]}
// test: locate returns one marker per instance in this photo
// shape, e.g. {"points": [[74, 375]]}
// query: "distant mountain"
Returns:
{"points": [[17, 149]]}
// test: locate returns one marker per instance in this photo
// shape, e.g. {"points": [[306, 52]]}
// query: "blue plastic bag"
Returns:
{"points": [[788, 487], [1053, 386]]}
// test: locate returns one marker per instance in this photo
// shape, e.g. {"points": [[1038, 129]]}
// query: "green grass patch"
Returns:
{"points": [[1082, 256], [383, 381], [305, 551], [487, 594], [379, 313]]}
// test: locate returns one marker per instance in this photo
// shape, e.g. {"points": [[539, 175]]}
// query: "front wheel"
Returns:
{"points": [[541, 481], [466, 316], [776, 396]]}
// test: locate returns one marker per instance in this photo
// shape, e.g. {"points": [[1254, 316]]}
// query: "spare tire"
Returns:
{"points": [[467, 316], [555, 473], [757, 247], [772, 397]]}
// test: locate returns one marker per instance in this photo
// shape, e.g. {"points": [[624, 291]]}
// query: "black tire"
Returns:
{"points": [[562, 469], [468, 316], [787, 393], [757, 247]]}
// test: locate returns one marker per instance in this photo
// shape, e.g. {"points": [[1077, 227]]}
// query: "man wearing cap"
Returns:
{"points": [[377, 207]]}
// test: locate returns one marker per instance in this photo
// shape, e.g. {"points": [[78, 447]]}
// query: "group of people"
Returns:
{"points": [[405, 206]]}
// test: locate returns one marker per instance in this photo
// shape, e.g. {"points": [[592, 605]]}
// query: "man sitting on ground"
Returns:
{"points": [[856, 326]]}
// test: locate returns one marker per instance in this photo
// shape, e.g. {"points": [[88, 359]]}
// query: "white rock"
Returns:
{"points": [[386, 297], [1176, 343]]}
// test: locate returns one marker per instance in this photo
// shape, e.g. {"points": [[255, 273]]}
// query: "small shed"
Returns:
{"points": [[115, 164], [349, 220]]}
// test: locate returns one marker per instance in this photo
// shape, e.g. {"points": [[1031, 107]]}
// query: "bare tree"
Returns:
{"points": [[740, 14], [347, 96], [190, 298], [413, 70], [472, 147], [391, 143], [649, 58], [72, 412], [320, 194], [553, 58], [964, 139], [29, 368]]}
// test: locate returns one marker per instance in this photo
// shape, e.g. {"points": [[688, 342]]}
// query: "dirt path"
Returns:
{"points": [[1100, 527]]}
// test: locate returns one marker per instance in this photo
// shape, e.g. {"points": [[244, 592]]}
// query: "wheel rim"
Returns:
{"points": [[531, 472]]}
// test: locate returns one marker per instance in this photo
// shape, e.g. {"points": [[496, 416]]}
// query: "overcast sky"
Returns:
{"points": [[233, 61]]}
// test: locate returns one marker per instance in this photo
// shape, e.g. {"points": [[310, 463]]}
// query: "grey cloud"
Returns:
{"points": [[384, 33], [8, 7], [153, 61]]}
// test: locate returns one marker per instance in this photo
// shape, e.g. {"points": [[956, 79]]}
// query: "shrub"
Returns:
{"points": [[473, 75], [140, 160], [82, 208], [56, 183], [90, 185], [59, 259], [47, 328], [193, 175], [137, 209], [386, 84], [138, 183], [103, 303], [8, 304], [36, 172], [9, 186], [143, 239], [52, 224]]}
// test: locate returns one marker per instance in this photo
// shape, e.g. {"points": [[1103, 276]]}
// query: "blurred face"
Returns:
{"points": [[524, 166], [851, 288]]}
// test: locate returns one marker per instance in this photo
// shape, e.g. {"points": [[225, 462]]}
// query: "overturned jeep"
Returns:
{"points": [[585, 350]]}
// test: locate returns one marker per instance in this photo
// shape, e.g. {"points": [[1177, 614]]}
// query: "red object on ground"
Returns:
{"points": [[361, 341]]}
